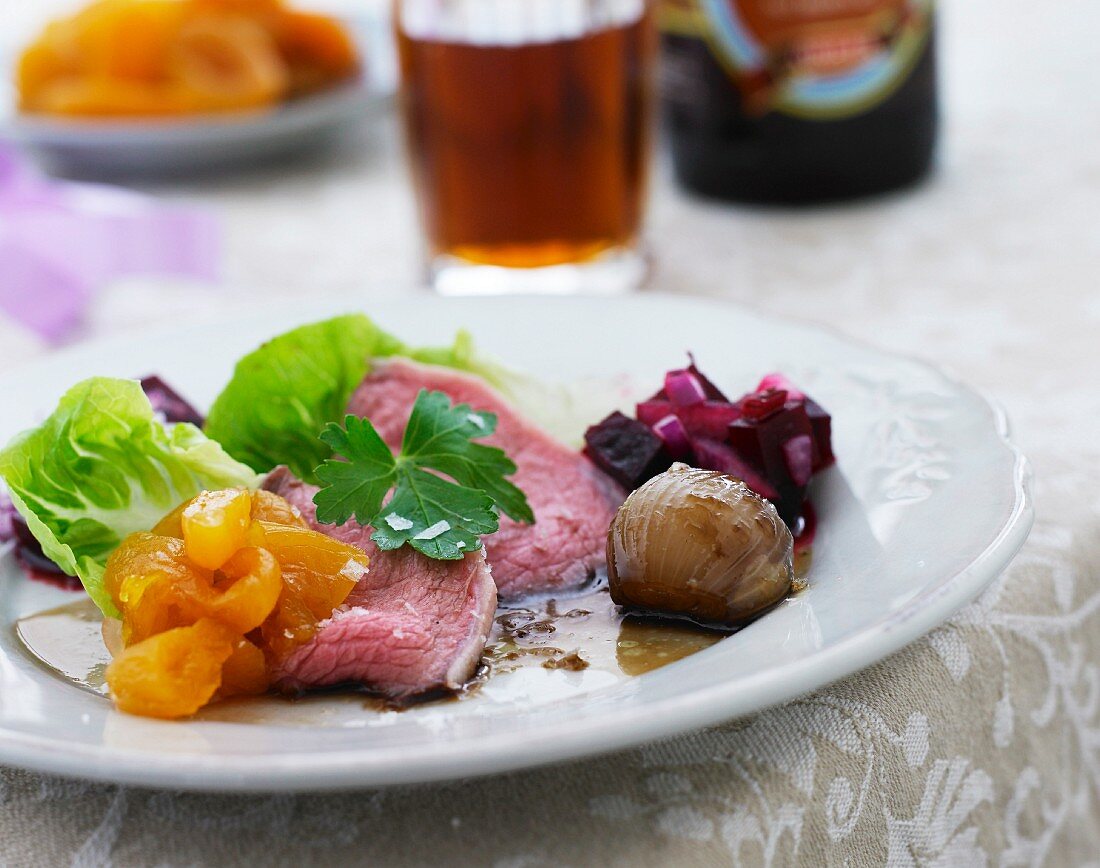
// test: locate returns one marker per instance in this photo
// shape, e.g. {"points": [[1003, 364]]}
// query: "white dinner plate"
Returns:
{"points": [[116, 148], [927, 504]]}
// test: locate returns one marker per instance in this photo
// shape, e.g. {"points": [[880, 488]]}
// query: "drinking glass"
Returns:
{"points": [[527, 125]]}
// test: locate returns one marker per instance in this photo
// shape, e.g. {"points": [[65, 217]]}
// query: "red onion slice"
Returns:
{"points": [[671, 431], [798, 455], [683, 388]]}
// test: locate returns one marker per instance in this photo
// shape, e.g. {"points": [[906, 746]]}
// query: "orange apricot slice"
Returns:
{"points": [[215, 525], [172, 674], [249, 591], [244, 673]]}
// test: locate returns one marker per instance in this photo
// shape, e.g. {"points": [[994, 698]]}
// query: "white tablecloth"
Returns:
{"points": [[979, 744]]}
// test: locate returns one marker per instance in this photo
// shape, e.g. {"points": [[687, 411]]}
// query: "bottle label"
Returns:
{"points": [[808, 58]]}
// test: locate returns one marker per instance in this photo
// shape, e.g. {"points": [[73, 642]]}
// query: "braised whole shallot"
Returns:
{"points": [[700, 544]]}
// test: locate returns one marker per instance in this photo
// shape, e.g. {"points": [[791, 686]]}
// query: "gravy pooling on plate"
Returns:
{"points": [[589, 628], [552, 634]]}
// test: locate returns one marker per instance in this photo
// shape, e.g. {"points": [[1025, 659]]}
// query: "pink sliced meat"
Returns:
{"points": [[573, 502], [412, 626]]}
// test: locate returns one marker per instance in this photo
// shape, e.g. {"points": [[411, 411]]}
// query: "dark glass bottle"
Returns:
{"points": [[799, 100]]}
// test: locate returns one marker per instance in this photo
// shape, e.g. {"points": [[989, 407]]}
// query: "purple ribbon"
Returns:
{"points": [[61, 241]]}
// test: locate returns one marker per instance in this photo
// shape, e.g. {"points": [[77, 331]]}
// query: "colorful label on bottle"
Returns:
{"points": [[808, 58]]}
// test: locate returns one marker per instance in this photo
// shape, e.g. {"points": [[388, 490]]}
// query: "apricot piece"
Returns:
{"points": [[172, 524], [140, 553], [249, 591], [99, 97], [254, 8], [155, 586], [215, 525], [153, 603], [245, 672], [274, 580], [228, 61], [172, 674], [128, 39], [175, 57], [319, 569], [268, 506], [318, 574], [51, 58], [318, 50], [290, 625]]}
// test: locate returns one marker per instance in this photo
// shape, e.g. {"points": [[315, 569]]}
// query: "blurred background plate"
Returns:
{"points": [[171, 148]]}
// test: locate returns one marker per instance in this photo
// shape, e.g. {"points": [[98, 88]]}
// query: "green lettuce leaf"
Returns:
{"points": [[462, 355], [102, 467], [283, 394]]}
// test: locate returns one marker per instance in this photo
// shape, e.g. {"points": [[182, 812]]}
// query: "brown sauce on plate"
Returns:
{"points": [[570, 635]]}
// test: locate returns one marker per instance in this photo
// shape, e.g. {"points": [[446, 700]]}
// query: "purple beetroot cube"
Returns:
{"points": [[704, 419], [778, 442], [653, 411], [709, 419], [627, 450], [712, 392], [169, 403], [820, 419], [822, 424], [716, 455]]}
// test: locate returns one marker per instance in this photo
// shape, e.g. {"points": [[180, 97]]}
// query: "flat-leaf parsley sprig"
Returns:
{"points": [[442, 514]]}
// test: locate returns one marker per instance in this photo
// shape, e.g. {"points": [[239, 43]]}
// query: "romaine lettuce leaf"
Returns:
{"points": [[102, 467], [462, 355], [283, 394]]}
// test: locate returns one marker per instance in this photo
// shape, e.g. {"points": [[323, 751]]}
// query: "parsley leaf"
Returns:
{"points": [[442, 514]]}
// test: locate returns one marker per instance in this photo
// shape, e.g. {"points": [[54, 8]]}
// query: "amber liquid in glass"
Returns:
{"points": [[530, 155]]}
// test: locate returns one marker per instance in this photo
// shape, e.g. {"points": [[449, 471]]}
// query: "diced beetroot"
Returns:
{"points": [[760, 442], [29, 550], [820, 420], [709, 419], [684, 388], [713, 393], [671, 431], [761, 405], [13, 527], [780, 382], [169, 403], [774, 439], [822, 424], [798, 453], [653, 411], [626, 450], [715, 455]]}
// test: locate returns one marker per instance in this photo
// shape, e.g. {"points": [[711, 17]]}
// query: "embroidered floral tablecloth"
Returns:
{"points": [[978, 745]]}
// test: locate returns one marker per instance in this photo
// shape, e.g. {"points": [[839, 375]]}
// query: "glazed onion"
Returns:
{"points": [[700, 544]]}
